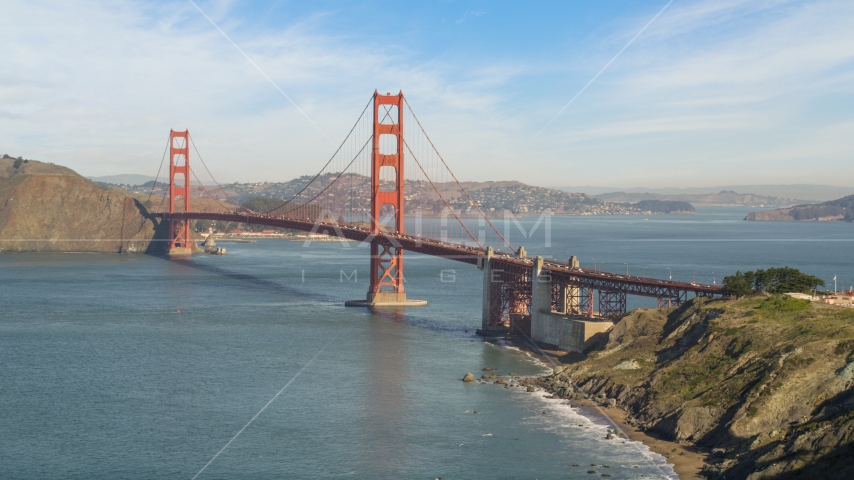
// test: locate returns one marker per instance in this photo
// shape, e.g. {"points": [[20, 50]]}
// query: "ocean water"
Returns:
{"points": [[102, 377]]}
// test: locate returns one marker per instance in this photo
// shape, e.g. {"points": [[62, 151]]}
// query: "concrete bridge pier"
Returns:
{"points": [[490, 316], [541, 293], [556, 316]]}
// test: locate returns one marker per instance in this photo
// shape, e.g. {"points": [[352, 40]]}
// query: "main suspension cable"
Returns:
{"points": [[454, 176], [235, 202], [159, 168], [328, 162], [440, 195], [201, 184], [333, 181]]}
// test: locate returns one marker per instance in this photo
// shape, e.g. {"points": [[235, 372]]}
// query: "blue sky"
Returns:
{"points": [[711, 93]]}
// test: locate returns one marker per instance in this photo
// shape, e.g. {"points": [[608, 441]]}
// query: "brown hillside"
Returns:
{"points": [[50, 208], [31, 167], [66, 212], [157, 204]]}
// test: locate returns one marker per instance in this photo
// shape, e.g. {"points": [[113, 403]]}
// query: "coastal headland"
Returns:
{"points": [[49, 208], [841, 209], [757, 388]]}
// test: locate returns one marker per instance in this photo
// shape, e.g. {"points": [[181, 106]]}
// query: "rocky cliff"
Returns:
{"points": [[764, 384], [48, 208]]}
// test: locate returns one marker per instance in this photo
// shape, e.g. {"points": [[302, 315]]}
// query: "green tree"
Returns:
{"points": [[786, 279], [773, 280], [738, 285]]}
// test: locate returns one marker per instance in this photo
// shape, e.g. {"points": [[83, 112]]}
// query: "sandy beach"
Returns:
{"points": [[687, 462]]}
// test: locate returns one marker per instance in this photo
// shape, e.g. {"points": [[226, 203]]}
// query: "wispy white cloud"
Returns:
{"points": [[754, 69], [709, 85], [260, 70], [97, 88]]}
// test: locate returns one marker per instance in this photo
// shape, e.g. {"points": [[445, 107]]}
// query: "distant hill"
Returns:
{"points": [[127, 179], [262, 204], [806, 193], [723, 198], [841, 209], [665, 206], [494, 198]]}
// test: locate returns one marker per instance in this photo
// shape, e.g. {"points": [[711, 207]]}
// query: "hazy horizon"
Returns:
{"points": [[814, 192]]}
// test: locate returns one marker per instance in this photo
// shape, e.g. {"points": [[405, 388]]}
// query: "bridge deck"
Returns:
{"points": [[560, 272]]}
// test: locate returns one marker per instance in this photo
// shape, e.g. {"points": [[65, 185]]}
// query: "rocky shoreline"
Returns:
{"points": [[682, 461], [687, 461], [758, 388]]}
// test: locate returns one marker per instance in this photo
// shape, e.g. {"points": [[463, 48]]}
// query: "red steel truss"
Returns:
{"points": [[510, 292], [612, 304]]}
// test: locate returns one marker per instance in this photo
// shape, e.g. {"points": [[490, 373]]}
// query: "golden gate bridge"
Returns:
{"points": [[385, 169]]}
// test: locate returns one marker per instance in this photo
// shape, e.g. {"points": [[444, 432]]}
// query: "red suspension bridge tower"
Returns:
{"points": [[386, 273], [179, 187]]}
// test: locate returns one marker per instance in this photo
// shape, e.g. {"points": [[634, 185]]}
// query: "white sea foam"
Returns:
{"points": [[530, 356], [574, 426]]}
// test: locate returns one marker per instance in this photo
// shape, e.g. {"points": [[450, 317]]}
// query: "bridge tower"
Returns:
{"points": [[179, 186], [387, 185]]}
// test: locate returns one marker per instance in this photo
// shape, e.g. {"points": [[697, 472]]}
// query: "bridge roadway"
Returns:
{"points": [[560, 272]]}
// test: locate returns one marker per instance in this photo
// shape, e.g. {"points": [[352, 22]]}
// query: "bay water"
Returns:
{"points": [[102, 377]]}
